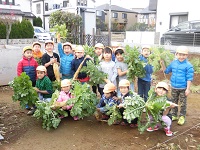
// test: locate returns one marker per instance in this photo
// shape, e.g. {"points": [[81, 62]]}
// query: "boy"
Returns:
{"points": [[145, 82], [37, 50], [181, 78], [49, 58], [79, 52], [43, 87], [115, 46], [66, 55], [28, 64]]}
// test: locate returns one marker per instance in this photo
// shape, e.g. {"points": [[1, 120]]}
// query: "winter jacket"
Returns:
{"points": [[65, 65], [28, 66], [65, 97], [181, 73], [148, 69]]}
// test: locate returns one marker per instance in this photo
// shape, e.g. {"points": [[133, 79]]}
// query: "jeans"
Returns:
{"points": [[143, 88]]}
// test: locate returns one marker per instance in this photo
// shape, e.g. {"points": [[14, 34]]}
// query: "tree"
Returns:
{"points": [[37, 22], [8, 20], [72, 21]]}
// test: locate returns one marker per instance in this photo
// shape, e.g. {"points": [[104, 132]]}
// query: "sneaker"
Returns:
{"points": [[168, 132], [31, 112], [150, 129], [174, 118], [181, 120]]}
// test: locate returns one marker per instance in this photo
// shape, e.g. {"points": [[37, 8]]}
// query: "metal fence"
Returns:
{"points": [[91, 40]]}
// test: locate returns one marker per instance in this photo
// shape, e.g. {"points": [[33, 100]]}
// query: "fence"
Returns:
{"points": [[91, 40]]}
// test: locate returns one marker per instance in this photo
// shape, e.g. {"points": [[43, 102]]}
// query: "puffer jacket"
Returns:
{"points": [[181, 73], [28, 66]]}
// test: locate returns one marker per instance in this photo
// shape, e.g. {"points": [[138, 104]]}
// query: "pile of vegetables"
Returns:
{"points": [[114, 113], [135, 66], [23, 90]]}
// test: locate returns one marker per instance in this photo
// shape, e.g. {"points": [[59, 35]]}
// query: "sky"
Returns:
{"points": [[125, 3]]}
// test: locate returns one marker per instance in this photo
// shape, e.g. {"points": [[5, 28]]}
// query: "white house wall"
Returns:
{"points": [[24, 5], [164, 8]]}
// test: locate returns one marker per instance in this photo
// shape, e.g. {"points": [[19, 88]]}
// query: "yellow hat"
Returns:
{"points": [[67, 44], [162, 85], [99, 45], [27, 48], [41, 68], [79, 48], [109, 87], [65, 82], [49, 41], [124, 83], [182, 50], [36, 43]]}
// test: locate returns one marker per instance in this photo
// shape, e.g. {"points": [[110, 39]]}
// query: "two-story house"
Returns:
{"points": [[17, 8], [120, 15]]}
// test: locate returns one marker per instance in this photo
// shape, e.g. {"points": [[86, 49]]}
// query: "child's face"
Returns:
{"points": [[181, 57], [119, 57], [28, 54], [160, 91], [67, 50], [107, 56], [49, 47], [40, 74], [145, 52], [66, 89], [98, 51], [124, 90], [79, 54], [107, 95], [36, 48]]}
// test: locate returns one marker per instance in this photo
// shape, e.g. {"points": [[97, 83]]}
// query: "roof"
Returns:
{"points": [[114, 8], [11, 11], [29, 14], [147, 11]]}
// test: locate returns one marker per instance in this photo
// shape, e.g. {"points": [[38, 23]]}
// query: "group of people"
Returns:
{"points": [[116, 86]]}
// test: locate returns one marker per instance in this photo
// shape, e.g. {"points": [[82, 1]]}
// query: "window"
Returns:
{"points": [[176, 19], [115, 15], [124, 16], [10, 2], [46, 7], [38, 9], [85, 3], [78, 2], [183, 26], [3, 2], [99, 13]]}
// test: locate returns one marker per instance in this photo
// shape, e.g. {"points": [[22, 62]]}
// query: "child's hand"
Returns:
{"points": [[58, 37], [36, 89], [115, 98], [187, 92], [172, 105], [120, 105]]}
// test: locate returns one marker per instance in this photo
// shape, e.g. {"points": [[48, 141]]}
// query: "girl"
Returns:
{"points": [[161, 90], [108, 66]]}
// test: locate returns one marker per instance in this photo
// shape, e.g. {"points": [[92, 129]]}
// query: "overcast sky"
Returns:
{"points": [[125, 3]]}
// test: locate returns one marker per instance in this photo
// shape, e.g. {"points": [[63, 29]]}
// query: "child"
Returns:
{"points": [[98, 51], [145, 82], [49, 58], [181, 78], [107, 99], [115, 46], [65, 95], [43, 86], [37, 54], [79, 53], [122, 68], [108, 66], [124, 86], [28, 64], [161, 90], [66, 55]]}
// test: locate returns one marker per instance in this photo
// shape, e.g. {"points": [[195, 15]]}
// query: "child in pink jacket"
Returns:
{"points": [[65, 94]]}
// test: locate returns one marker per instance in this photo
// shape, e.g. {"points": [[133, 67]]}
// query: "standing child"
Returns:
{"points": [[124, 86], [66, 56], [49, 58], [37, 54], [65, 95], [79, 57], [107, 99], [108, 66], [161, 90], [181, 78], [28, 64], [145, 82], [43, 86]]}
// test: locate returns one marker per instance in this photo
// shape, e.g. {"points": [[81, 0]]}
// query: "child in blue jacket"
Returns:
{"points": [[181, 78], [66, 55]]}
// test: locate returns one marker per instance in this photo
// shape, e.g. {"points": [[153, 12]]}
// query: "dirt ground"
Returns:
{"points": [[24, 132]]}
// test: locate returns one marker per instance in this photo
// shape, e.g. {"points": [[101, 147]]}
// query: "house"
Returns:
{"points": [[17, 8], [44, 8], [170, 13], [122, 16]]}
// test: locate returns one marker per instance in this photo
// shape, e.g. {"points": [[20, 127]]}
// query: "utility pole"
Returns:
{"points": [[109, 25]]}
